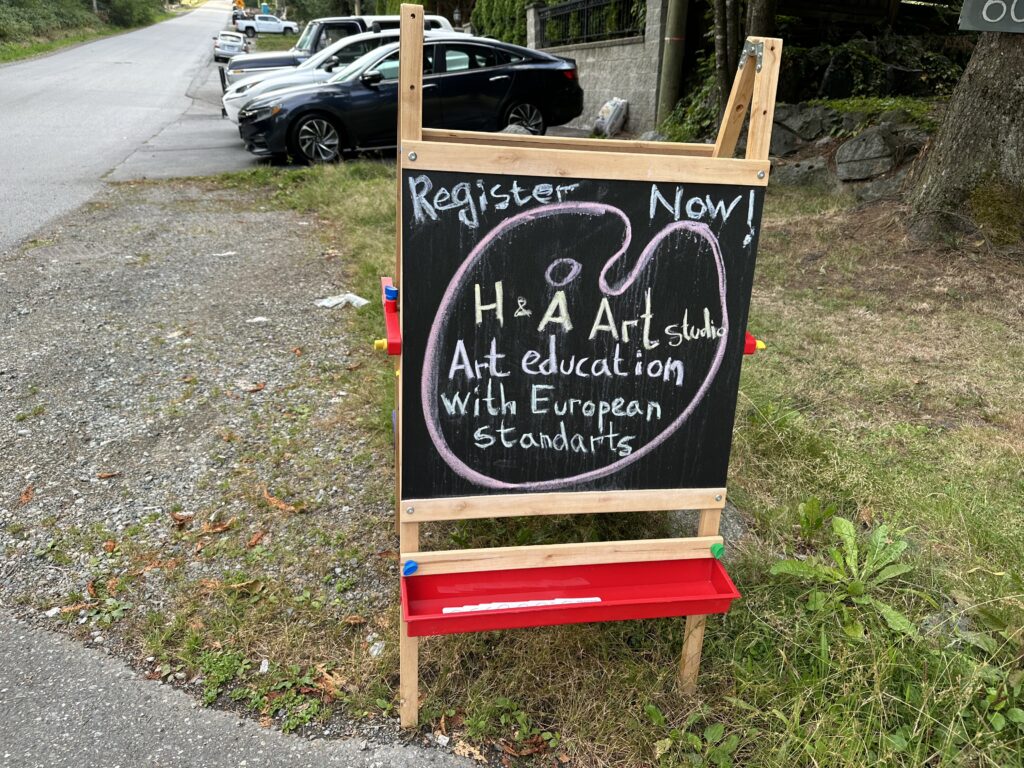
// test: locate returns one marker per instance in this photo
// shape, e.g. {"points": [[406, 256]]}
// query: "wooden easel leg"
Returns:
{"points": [[693, 639], [689, 662], [409, 679]]}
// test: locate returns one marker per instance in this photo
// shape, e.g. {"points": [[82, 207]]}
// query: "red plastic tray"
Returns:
{"points": [[611, 592]]}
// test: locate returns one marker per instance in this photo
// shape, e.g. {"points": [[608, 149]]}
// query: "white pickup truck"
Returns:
{"points": [[264, 24]]}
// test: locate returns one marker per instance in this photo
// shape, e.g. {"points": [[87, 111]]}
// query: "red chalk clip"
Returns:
{"points": [[389, 295], [752, 345]]}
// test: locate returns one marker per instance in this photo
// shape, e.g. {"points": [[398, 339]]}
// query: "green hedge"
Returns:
{"points": [[501, 19], [27, 20]]}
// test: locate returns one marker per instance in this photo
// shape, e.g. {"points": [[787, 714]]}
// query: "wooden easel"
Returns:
{"points": [[449, 150]]}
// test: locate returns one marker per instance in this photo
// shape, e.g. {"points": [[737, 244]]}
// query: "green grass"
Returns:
{"points": [[25, 49], [266, 43], [889, 391]]}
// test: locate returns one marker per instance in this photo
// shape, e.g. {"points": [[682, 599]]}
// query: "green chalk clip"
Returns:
{"points": [[717, 551]]}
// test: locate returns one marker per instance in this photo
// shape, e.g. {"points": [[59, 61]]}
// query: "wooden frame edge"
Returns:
{"points": [[550, 555], [575, 503]]}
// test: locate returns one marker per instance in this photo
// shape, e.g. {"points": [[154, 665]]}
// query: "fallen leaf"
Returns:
{"points": [[442, 727], [182, 518], [563, 758], [251, 587], [211, 528], [866, 515], [354, 366], [353, 619], [297, 351], [462, 749], [388, 554], [208, 586], [107, 475], [28, 493], [109, 545], [332, 684], [259, 386], [74, 608], [266, 722], [255, 539], [275, 502], [112, 586], [199, 546], [91, 589]]}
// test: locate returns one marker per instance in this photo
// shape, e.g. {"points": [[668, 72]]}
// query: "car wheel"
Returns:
{"points": [[315, 139], [528, 116], [286, 32], [250, 32]]}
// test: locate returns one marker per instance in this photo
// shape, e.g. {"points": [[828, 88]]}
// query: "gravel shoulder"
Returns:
{"points": [[180, 457]]}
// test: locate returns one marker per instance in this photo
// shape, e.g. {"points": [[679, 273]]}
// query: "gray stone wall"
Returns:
{"points": [[629, 68]]}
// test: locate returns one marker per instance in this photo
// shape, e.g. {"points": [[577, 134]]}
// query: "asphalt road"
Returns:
{"points": [[71, 118], [66, 706]]}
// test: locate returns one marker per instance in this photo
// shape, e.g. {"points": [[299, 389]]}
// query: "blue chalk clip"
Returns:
{"points": [[390, 292], [409, 567]]}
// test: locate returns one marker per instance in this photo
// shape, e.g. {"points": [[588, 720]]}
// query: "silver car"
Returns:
{"points": [[228, 44]]}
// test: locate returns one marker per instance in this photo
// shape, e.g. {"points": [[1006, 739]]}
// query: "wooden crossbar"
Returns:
{"points": [[581, 503], [547, 555]]}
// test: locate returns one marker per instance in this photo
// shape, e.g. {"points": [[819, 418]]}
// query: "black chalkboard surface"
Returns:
{"points": [[570, 334]]}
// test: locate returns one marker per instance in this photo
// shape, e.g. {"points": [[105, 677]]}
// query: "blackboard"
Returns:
{"points": [[993, 16], [570, 334]]}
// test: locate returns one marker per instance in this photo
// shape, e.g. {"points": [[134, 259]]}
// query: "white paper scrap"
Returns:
{"points": [[520, 604], [330, 302]]}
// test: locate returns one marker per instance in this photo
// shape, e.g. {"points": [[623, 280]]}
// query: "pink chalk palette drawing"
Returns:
{"points": [[686, 243]]}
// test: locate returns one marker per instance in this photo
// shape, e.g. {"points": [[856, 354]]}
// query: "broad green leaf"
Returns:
{"points": [[981, 641], [847, 535], [876, 542], [714, 733], [694, 741], [854, 630], [655, 715], [896, 620], [661, 747], [1015, 715], [801, 569], [891, 572], [896, 741], [816, 600], [730, 744], [997, 720], [889, 554]]}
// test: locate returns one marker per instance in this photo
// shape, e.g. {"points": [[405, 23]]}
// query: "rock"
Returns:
{"points": [[784, 142], [852, 121], [53, 612], [889, 185], [441, 739], [807, 122], [895, 117], [516, 129], [904, 81], [870, 154], [652, 136], [264, 666], [810, 172]]}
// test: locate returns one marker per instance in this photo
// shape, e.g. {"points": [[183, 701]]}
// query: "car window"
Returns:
{"points": [[459, 57], [332, 35], [389, 66]]}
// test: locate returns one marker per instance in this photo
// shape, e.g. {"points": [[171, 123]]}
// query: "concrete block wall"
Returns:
{"points": [[629, 68]]}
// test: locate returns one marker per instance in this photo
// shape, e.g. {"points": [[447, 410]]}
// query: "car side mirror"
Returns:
{"points": [[331, 63], [372, 78]]}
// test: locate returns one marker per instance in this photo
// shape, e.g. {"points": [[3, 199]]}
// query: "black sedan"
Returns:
{"points": [[469, 83]]}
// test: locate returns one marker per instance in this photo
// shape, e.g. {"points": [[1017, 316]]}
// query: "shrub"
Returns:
{"points": [[133, 13]]}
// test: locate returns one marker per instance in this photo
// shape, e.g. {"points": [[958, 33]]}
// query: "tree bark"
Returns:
{"points": [[722, 68], [732, 28], [980, 144], [761, 18]]}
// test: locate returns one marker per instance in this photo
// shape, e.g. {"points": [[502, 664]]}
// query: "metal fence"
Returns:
{"points": [[587, 21]]}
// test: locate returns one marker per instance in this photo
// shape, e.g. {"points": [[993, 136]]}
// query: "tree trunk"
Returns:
{"points": [[722, 68], [761, 18], [732, 28], [976, 160]]}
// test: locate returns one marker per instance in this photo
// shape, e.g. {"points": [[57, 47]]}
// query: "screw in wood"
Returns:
{"points": [[410, 510], [412, 156], [760, 174], [718, 497]]}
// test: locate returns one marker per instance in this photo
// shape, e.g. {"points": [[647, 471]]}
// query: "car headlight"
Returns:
{"points": [[260, 113]]}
